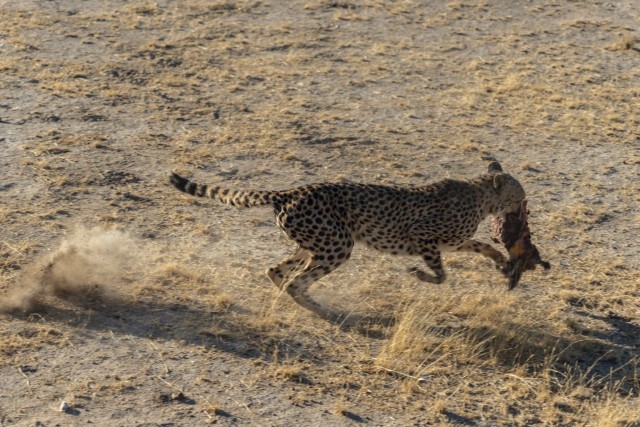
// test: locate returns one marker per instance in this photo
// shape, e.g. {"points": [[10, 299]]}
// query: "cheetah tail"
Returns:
{"points": [[231, 197]]}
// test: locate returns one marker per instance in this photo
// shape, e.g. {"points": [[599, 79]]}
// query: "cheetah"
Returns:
{"points": [[325, 220]]}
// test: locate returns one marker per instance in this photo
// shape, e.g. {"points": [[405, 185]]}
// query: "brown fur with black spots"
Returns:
{"points": [[325, 220]]}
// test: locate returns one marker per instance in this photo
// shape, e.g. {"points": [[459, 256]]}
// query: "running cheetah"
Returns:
{"points": [[325, 220]]}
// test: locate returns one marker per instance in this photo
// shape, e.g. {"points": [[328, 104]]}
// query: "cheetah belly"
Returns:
{"points": [[386, 237], [395, 245], [451, 239]]}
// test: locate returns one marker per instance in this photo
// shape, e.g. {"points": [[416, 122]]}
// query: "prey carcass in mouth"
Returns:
{"points": [[512, 230]]}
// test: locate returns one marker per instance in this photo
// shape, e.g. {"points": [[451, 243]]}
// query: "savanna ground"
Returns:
{"points": [[137, 305]]}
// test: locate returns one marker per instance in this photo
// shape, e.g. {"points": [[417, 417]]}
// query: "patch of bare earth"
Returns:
{"points": [[135, 304]]}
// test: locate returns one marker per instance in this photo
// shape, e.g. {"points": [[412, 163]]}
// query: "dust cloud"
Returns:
{"points": [[88, 266]]}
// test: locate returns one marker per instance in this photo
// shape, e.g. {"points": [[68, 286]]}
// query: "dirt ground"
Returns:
{"points": [[136, 305]]}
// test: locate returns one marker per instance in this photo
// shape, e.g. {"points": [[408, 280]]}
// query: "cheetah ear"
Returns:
{"points": [[494, 167], [499, 181]]}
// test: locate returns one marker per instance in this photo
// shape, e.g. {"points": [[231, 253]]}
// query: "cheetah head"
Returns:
{"points": [[508, 190]]}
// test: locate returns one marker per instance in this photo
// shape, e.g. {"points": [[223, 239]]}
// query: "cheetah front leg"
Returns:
{"points": [[485, 249], [432, 256]]}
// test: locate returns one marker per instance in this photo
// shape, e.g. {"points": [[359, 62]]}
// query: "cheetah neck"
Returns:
{"points": [[488, 200]]}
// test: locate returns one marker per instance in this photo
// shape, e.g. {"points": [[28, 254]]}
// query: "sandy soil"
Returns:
{"points": [[137, 305]]}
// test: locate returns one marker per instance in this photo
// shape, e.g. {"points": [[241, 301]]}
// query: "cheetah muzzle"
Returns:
{"points": [[324, 220]]}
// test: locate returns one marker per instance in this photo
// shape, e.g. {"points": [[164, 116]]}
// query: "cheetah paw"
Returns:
{"points": [[421, 275]]}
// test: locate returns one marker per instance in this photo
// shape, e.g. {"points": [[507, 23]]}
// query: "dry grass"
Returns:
{"points": [[497, 343], [508, 357]]}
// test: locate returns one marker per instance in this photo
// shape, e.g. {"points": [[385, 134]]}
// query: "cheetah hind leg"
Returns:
{"points": [[433, 258], [286, 269], [298, 286]]}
